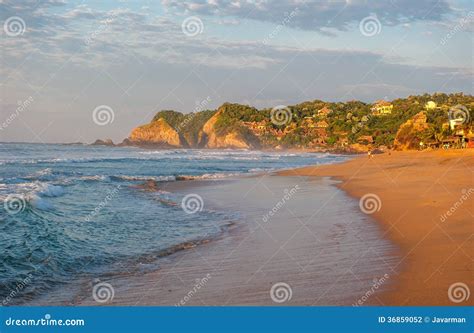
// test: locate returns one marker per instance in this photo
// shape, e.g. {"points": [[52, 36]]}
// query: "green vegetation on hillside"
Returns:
{"points": [[345, 123], [232, 116], [188, 125]]}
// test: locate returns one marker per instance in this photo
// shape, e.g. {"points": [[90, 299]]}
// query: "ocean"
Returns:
{"points": [[73, 212]]}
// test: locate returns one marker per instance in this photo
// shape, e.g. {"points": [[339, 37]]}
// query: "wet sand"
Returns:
{"points": [[416, 191], [316, 242]]}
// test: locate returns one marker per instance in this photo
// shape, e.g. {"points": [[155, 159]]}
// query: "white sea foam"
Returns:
{"points": [[173, 178], [258, 170], [34, 189], [37, 202], [44, 172], [144, 178], [48, 190], [216, 175], [32, 199], [94, 178]]}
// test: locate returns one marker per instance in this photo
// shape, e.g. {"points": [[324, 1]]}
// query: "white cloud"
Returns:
{"points": [[317, 15], [75, 58]]}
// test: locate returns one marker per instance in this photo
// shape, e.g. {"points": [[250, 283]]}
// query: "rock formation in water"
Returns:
{"points": [[156, 133], [106, 142]]}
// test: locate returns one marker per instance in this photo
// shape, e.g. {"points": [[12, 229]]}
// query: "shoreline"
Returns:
{"points": [[153, 146], [408, 259], [425, 208], [323, 259]]}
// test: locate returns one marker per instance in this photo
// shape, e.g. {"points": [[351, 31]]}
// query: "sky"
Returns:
{"points": [[75, 71]]}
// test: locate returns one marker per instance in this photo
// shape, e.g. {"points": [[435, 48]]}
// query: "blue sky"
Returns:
{"points": [[138, 57]]}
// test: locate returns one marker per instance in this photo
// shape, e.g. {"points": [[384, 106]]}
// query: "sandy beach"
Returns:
{"points": [[302, 237], [325, 252], [426, 208]]}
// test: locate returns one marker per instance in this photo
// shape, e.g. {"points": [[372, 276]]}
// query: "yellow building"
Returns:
{"points": [[382, 108], [430, 105], [324, 112], [322, 124], [309, 122]]}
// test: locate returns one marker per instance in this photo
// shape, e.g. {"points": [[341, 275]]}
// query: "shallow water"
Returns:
{"points": [[73, 211]]}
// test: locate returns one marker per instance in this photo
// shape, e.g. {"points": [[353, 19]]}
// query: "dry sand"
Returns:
{"points": [[416, 190]]}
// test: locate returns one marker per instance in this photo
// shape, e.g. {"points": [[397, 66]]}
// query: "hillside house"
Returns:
{"points": [[319, 141], [430, 106], [324, 112], [343, 142], [382, 108], [258, 128], [322, 124], [309, 122], [365, 139]]}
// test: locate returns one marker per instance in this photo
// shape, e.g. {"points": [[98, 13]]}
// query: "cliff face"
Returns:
{"points": [[209, 138], [158, 132], [408, 135]]}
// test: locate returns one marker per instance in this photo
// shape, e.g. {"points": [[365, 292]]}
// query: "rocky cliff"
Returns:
{"points": [[409, 135], [158, 133], [210, 137], [170, 129]]}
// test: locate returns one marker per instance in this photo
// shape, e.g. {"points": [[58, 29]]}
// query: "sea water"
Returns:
{"points": [[74, 211]]}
